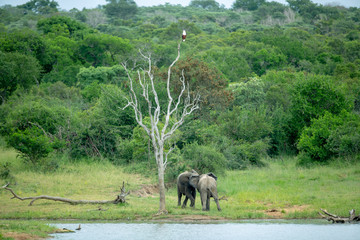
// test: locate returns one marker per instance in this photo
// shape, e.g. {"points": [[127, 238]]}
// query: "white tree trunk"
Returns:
{"points": [[158, 136]]}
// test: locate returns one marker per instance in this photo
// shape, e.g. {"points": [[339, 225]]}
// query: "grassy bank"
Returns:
{"points": [[280, 190]]}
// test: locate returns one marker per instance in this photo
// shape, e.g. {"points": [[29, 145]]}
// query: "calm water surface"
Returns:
{"points": [[179, 231]]}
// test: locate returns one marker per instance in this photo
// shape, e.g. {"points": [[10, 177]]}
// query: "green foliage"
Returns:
{"points": [[60, 26], [204, 80], [244, 154], [41, 6], [205, 4], [204, 158], [331, 135], [124, 9], [250, 5], [312, 96], [31, 144], [27, 42], [103, 49], [101, 127], [265, 71], [102, 75], [17, 70], [249, 94], [246, 124]]}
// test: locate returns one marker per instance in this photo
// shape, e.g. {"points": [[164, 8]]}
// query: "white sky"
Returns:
{"points": [[80, 4]]}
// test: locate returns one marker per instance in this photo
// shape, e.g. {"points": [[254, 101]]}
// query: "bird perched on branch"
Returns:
{"points": [[183, 35]]}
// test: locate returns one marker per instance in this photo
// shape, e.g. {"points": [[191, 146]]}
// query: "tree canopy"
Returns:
{"points": [[273, 79]]}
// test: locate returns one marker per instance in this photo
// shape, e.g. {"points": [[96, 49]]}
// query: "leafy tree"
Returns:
{"points": [[41, 6], [124, 9], [312, 96], [244, 154], [331, 135], [103, 49], [31, 144], [249, 94], [230, 61], [26, 42], [205, 4], [17, 70], [306, 8], [250, 5], [246, 124], [103, 125], [204, 158], [267, 58], [61, 53], [114, 75], [60, 25], [207, 81]]}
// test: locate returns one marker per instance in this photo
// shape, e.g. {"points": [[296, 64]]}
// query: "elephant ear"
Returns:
{"points": [[210, 174], [194, 179]]}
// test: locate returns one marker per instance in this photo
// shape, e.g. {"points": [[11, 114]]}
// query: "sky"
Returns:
{"points": [[80, 4]]}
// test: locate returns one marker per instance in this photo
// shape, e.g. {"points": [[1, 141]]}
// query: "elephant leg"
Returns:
{"points": [[193, 195], [203, 200], [185, 202], [189, 195], [208, 203], [179, 197]]}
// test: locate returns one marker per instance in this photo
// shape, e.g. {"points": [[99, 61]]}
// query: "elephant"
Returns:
{"points": [[206, 186], [184, 188]]}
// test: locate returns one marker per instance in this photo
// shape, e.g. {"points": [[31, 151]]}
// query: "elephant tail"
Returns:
{"points": [[214, 195]]}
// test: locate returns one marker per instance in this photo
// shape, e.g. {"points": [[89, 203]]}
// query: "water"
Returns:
{"points": [[266, 230]]}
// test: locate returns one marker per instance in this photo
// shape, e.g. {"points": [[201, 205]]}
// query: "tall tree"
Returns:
{"points": [[123, 9], [41, 6], [205, 4], [172, 116], [250, 5]]}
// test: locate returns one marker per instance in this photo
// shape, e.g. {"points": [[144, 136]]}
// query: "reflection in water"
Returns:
{"points": [[180, 231]]}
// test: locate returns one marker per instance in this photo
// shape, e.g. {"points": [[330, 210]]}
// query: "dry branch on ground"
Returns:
{"points": [[119, 198], [336, 219]]}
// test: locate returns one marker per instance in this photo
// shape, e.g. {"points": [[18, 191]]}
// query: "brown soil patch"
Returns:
{"points": [[20, 236], [146, 191], [280, 212]]}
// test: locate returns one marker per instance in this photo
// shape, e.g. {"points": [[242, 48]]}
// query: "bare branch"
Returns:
{"points": [[119, 198], [167, 154]]}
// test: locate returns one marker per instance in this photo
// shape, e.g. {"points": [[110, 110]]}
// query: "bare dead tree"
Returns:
{"points": [[159, 136]]}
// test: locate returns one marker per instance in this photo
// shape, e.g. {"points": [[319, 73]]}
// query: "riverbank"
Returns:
{"points": [[279, 191]]}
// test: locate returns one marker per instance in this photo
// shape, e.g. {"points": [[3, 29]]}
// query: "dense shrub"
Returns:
{"points": [[204, 158], [312, 96], [330, 135], [247, 154], [31, 144]]}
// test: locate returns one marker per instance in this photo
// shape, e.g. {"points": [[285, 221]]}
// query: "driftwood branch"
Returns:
{"points": [[119, 198], [336, 219]]}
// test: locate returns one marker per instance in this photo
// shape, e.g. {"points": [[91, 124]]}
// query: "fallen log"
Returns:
{"points": [[336, 219], [119, 198]]}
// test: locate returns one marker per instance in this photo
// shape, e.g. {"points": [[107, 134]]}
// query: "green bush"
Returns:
{"points": [[345, 140], [247, 154], [312, 96], [204, 159], [246, 124], [31, 143], [331, 136]]}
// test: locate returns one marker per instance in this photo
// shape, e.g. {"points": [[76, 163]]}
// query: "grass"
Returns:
{"points": [[280, 190]]}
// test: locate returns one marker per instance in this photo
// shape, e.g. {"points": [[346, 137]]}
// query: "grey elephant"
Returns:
{"points": [[184, 188], [207, 187]]}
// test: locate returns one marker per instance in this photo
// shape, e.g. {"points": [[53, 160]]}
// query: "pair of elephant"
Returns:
{"points": [[188, 182]]}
